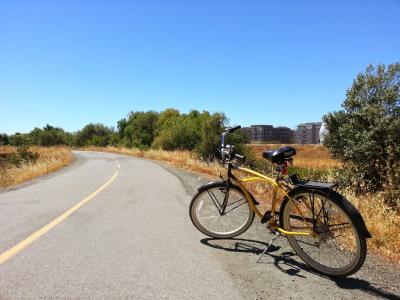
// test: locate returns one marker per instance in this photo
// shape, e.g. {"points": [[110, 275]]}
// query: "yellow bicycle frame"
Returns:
{"points": [[277, 186]]}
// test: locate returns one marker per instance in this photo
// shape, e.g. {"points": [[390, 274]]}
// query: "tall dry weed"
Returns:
{"points": [[383, 223], [307, 156], [49, 160]]}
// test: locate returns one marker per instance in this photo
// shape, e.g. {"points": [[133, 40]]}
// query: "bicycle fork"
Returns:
{"points": [[226, 198]]}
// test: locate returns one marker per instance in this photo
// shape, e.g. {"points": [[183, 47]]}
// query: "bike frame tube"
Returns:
{"points": [[276, 187]]}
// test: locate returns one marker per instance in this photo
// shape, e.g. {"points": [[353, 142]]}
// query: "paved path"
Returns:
{"points": [[132, 238]]}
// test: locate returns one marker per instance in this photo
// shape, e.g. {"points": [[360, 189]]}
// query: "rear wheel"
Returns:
{"points": [[209, 215], [339, 247]]}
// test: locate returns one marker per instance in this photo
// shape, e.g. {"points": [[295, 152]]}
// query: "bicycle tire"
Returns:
{"points": [[239, 215], [309, 248]]}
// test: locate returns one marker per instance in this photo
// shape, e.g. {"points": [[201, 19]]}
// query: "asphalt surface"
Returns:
{"points": [[134, 240]]}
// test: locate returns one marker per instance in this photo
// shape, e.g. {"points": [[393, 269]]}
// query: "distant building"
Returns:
{"points": [[307, 133], [267, 133], [261, 132], [283, 135]]}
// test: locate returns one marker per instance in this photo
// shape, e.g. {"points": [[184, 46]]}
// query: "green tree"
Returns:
{"points": [[139, 129], [195, 131], [94, 135], [20, 139], [70, 139], [4, 139], [121, 125], [48, 136], [211, 128], [178, 131], [165, 117], [365, 134]]}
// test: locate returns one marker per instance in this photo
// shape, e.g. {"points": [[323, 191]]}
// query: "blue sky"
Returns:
{"points": [[69, 63]]}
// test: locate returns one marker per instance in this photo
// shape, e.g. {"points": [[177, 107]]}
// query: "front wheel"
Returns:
{"points": [[221, 212], [338, 246]]}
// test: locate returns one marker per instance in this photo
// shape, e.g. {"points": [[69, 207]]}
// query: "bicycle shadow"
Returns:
{"points": [[286, 263]]}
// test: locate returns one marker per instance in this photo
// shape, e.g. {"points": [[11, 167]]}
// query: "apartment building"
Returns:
{"points": [[283, 135], [268, 134], [307, 133]]}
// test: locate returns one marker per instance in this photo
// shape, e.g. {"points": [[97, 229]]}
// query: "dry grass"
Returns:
{"points": [[308, 156], [7, 149], [50, 159], [382, 222]]}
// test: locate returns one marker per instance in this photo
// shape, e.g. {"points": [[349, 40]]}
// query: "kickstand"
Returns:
{"points": [[268, 246]]}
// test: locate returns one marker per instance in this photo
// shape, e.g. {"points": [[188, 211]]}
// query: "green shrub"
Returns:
{"points": [[20, 139], [48, 136], [178, 132], [198, 131], [93, 135], [22, 156], [312, 174], [4, 139], [138, 130], [209, 142], [365, 134]]}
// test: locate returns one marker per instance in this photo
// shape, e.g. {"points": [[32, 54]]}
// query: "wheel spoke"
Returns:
{"points": [[336, 247], [207, 216], [233, 208], [215, 200]]}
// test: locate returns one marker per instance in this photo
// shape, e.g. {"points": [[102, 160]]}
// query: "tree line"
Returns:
{"points": [[168, 130]]}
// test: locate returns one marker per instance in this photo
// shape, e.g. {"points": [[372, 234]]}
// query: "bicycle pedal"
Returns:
{"points": [[267, 216]]}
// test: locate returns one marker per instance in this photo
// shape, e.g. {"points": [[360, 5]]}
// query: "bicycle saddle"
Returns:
{"points": [[279, 156]]}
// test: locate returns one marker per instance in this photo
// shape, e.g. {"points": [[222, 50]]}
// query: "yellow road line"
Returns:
{"points": [[34, 236]]}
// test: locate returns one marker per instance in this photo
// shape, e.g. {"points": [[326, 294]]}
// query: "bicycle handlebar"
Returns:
{"points": [[232, 129], [228, 130], [227, 151]]}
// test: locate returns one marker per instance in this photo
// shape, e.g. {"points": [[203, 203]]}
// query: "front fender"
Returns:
{"points": [[210, 185]]}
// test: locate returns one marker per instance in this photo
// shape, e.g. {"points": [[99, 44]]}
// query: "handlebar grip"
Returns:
{"points": [[240, 156], [230, 130]]}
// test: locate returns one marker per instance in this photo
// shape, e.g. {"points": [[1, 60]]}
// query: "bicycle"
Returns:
{"points": [[323, 227]]}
